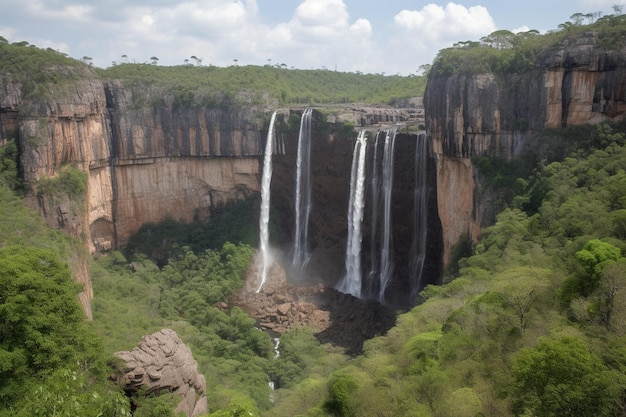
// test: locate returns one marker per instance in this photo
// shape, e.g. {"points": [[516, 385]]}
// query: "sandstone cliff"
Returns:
{"points": [[504, 115], [144, 162]]}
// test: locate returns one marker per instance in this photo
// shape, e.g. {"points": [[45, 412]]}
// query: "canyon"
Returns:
{"points": [[146, 162]]}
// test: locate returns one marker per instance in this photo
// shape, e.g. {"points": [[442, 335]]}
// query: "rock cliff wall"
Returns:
{"points": [[331, 162], [504, 115], [143, 162]]}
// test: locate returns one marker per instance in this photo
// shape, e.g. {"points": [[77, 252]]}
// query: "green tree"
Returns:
{"points": [[594, 257], [49, 357], [610, 292], [561, 377], [339, 403]]}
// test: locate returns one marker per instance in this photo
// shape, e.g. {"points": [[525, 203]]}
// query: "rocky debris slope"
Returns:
{"points": [[338, 319], [161, 362]]}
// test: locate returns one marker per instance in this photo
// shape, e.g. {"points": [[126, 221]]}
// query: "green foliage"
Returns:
{"points": [[339, 401], [70, 181], [9, 159], [137, 298], [503, 51], [561, 377], [38, 69], [233, 221], [156, 406], [212, 86], [596, 255], [299, 353], [49, 358], [504, 176]]}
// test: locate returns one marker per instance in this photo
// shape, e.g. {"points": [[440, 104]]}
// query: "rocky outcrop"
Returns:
{"points": [[504, 115], [162, 363], [339, 319]]}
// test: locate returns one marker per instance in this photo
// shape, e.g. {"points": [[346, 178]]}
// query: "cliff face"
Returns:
{"points": [[503, 116], [143, 163], [331, 163], [146, 162]]}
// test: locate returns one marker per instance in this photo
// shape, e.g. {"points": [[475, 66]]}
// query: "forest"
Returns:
{"points": [[530, 320]]}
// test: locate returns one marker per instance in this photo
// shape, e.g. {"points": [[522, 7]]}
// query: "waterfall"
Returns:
{"points": [[266, 258], [386, 261], [372, 281], [420, 207], [303, 194], [351, 282]]}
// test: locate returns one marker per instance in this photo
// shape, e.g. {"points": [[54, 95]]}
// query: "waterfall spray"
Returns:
{"points": [[266, 258], [303, 194], [420, 207], [351, 282], [386, 262]]}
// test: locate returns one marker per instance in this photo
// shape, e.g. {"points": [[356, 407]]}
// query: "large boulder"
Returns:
{"points": [[161, 362]]}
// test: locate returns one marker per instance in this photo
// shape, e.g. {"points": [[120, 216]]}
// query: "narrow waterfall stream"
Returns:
{"points": [[420, 216], [351, 282], [371, 284], [386, 256], [303, 194], [265, 256]]}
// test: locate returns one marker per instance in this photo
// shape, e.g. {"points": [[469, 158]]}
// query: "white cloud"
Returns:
{"points": [[421, 34], [71, 12], [320, 34], [453, 23]]}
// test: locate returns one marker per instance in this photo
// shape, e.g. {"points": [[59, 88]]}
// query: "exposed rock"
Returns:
{"points": [[161, 362], [338, 319], [504, 115]]}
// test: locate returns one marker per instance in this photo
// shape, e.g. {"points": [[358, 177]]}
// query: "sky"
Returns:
{"points": [[370, 36]]}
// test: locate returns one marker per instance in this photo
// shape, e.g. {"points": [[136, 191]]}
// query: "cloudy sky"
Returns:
{"points": [[372, 36]]}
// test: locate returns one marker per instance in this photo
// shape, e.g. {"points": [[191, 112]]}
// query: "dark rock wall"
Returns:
{"points": [[331, 161]]}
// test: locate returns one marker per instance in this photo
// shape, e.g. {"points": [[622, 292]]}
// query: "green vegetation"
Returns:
{"points": [[50, 360], [37, 70], [531, 321], [43, 71], [9, 159], [233, 221], [210, 86], [507, 52], [70, 182]]}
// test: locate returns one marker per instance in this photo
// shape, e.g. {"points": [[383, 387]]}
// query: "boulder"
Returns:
{"points": [[161, 362]]}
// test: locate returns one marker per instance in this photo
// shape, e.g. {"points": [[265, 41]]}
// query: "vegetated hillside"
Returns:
{"points": [[532, 323], [206, 85], [195, 85], [506, 52]]}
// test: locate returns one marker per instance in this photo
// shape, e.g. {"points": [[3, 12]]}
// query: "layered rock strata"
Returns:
{"points": [[504, 115]]}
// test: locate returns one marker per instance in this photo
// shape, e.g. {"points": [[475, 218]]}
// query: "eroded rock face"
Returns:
{"points": [[161, 362], [504, 115]]}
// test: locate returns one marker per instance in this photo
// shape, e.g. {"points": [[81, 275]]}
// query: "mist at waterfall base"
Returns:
{"points": [[371, 264]]}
